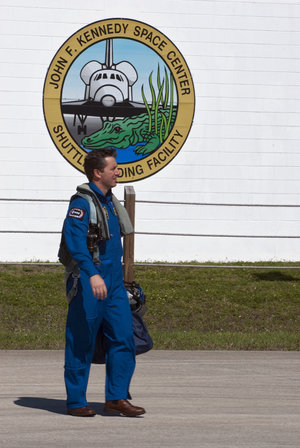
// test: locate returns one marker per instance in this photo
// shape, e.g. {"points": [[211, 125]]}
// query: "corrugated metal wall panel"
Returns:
{"points": [[243, 147]]}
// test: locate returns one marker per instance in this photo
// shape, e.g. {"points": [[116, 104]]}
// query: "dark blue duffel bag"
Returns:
{"points": [[142, 338]]}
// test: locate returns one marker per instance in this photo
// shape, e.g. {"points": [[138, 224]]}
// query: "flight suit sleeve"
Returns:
{"points": [[75, 231]]}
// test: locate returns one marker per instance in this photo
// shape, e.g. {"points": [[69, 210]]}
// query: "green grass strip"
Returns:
{"points": [[199, 309], [195, 340]]}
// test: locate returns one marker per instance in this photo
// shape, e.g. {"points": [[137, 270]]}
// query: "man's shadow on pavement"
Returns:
{"points": [[53, 405]]}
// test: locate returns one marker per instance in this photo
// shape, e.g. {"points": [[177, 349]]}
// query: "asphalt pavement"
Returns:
{"points": [[203, 399]]}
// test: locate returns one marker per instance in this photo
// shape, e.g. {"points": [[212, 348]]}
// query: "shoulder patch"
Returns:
{"points": [[77, 213]]}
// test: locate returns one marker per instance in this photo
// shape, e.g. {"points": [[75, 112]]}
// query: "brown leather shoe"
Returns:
{"points": [[85, 411], [123, 407]]}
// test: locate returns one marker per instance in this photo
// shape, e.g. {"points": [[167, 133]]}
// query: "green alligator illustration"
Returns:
{"points": [[152, 129]]}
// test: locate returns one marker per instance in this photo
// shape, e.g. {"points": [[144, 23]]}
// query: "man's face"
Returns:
{"points": [[109, 176]]}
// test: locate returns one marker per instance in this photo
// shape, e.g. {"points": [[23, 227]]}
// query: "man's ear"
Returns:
{"points": [[97, 174]]}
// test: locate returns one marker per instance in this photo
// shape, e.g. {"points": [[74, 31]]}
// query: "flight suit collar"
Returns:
{"points": [[104, 198]]}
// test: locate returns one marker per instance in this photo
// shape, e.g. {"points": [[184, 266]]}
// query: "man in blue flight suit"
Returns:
{"points": [[101, 298]]}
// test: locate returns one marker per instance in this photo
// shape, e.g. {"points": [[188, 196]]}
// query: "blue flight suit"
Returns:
{"points": [[86, 312]]}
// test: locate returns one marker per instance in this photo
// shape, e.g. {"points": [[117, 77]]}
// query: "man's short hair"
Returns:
{"points": [[96, 160]]}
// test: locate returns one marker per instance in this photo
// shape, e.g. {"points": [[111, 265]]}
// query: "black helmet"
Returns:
{"points": [[136, 297]]}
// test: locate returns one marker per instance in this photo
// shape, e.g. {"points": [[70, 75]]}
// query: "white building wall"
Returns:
{"points": [[243, 147]]}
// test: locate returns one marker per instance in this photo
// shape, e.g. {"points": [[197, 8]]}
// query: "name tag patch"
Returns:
{"points": [[77, 213]]}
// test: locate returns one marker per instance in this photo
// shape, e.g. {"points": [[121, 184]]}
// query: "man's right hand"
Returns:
{"points": [[98, 287]]}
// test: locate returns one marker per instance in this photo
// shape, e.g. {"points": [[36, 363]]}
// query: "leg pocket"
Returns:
{"points": [[71, 287]]}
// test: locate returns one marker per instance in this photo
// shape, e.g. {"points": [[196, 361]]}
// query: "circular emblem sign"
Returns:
{"points": [[119, 83]]}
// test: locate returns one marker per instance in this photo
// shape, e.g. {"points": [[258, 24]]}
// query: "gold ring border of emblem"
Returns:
{"points": [[157, 41]]}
